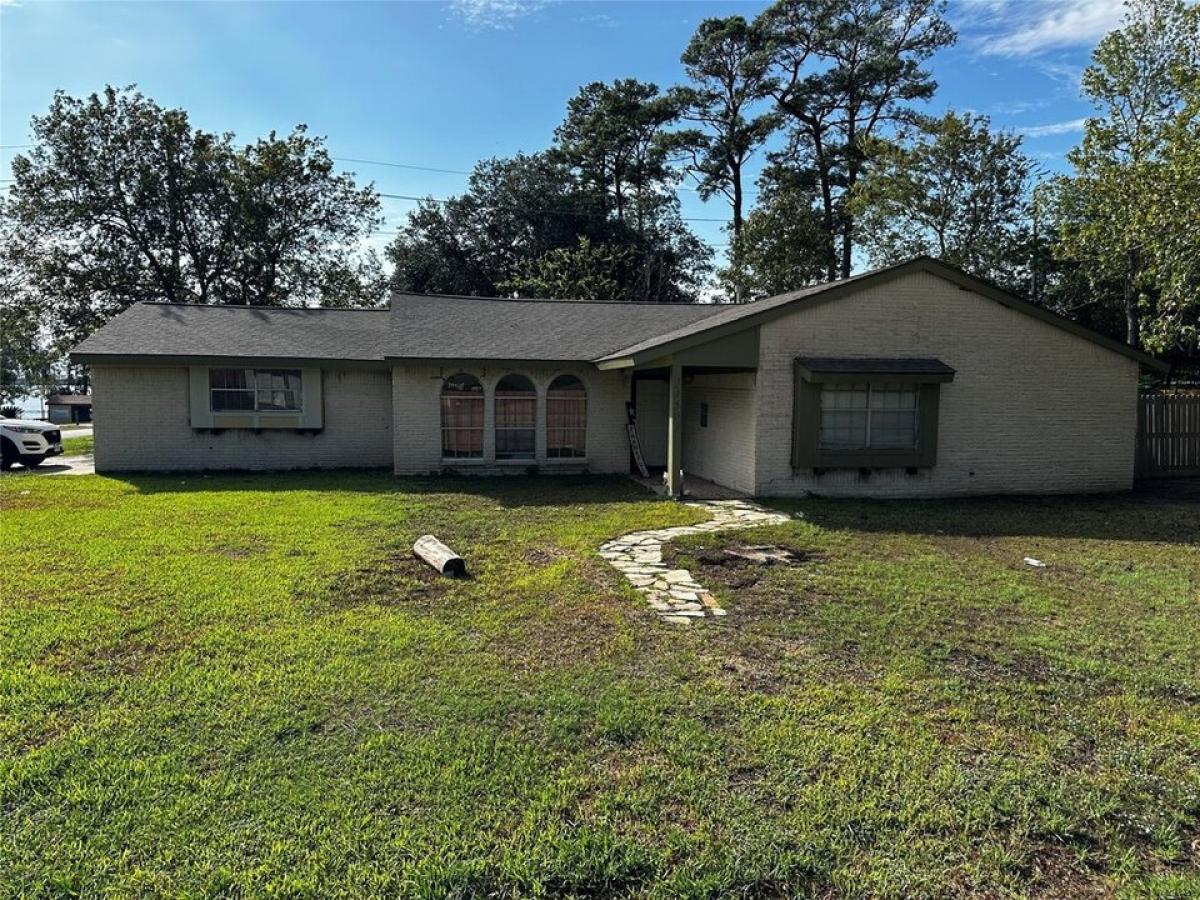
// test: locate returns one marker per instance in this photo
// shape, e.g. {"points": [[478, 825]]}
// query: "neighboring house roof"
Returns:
{"points": [[69, 400], [437, 327]]}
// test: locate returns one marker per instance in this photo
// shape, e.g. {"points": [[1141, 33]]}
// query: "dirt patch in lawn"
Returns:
{"points": [[544, 556], [737, 565], [398, 578], [129, 657]]}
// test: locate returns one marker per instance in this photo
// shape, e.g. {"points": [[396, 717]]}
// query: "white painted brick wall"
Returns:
{"points": [[724, 451], [142, 424], [416, 399], [1033, 408]]}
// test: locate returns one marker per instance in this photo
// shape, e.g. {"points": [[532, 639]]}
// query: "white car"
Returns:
{"points": [[28, 442]]}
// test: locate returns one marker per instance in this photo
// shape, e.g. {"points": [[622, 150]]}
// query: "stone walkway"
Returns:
{"points": [[674, 593]]}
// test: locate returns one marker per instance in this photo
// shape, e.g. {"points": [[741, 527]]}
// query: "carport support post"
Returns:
{"points": [[675, 433]]}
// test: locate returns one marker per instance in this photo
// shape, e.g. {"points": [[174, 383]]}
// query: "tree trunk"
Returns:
{"points": [[825, 177], [736, 173], [1133, 330]]}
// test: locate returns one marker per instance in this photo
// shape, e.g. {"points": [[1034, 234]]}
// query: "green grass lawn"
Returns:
{"points": [[78, 446], [244, 685]]}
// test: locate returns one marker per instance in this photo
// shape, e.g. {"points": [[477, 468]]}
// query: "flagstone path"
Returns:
{"points": [[673, 593]]}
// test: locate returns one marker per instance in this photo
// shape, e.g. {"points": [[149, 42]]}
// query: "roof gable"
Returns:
{"points": [[736, 318]]}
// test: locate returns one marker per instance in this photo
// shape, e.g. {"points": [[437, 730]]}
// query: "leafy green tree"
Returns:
{"points": [[513, 211], [603, 201], [616, 140], [844, 72], [1123, 214], [958, 192], [1172, 252], [724, 62], [781, 246], [586, 271], [122, 200]]}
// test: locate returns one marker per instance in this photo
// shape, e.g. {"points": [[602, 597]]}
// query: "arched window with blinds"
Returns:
{"points": [[566, 418], [516, 418], [462, 417]]}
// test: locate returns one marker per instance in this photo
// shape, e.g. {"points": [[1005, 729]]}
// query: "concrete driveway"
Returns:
{"points": [[59, 465]]}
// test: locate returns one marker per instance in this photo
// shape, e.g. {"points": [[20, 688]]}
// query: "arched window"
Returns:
{"points": [[516, 418], [566, 418], [462, 417]]}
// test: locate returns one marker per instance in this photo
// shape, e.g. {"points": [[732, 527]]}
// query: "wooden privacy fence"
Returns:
{"points": [[1168, 436]]}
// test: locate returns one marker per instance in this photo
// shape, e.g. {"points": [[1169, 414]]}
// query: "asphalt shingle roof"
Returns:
{"points": [[429, 326], [168, 329], [420, 326], [432, 327]]}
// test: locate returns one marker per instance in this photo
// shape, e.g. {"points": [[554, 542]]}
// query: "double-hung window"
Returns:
{"points": [[255, 390], [866, 413], [869, 416]]}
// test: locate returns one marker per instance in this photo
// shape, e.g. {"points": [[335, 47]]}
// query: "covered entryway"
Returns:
{"points": [[699, 401]]}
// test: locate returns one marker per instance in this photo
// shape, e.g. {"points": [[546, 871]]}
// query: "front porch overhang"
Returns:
{"points": [[677, 375], [734, 351]]}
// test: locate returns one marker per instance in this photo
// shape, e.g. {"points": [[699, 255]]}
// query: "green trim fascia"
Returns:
{"points": [[872, 377]]}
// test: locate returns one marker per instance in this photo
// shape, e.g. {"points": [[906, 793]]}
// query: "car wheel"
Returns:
{"points": [[32, 461], [8, 454]]}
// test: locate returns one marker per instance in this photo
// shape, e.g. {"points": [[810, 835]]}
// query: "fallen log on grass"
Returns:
{"points": [[438, 555]]}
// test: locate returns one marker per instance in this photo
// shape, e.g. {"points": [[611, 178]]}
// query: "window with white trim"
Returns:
{"points": [[255, 390], [869, 416]]}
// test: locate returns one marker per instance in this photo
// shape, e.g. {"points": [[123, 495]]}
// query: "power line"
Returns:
{"points": [[414, 166], [394, 165], [553, 212]]}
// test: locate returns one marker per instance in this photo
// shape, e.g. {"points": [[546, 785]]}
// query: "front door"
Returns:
{"points": [[650, 396]]}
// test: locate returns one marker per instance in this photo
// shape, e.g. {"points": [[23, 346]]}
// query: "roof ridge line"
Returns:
{"points": [[696, 305], [246, 307]]}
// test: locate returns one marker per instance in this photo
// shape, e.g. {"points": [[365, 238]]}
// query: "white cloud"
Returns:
{"points": [[1037, 131], [1017, 107], [1029, 27], [497, 14], [603, 20]]}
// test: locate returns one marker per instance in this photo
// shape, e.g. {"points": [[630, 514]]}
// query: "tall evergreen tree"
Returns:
{"points": [[724, 62], [844, 71]]}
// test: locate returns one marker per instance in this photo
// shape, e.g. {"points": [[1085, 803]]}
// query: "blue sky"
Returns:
{"points": [[444, 84]]}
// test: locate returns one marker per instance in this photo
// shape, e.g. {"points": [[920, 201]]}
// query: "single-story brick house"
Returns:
{"points": [[914, 380]]}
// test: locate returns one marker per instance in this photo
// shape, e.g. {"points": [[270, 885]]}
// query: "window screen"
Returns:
{"points": [[860, 416], [255, 390]]}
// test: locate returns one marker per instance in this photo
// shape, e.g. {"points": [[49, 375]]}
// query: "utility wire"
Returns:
{"points": [[557, 212], [394, 165]]}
